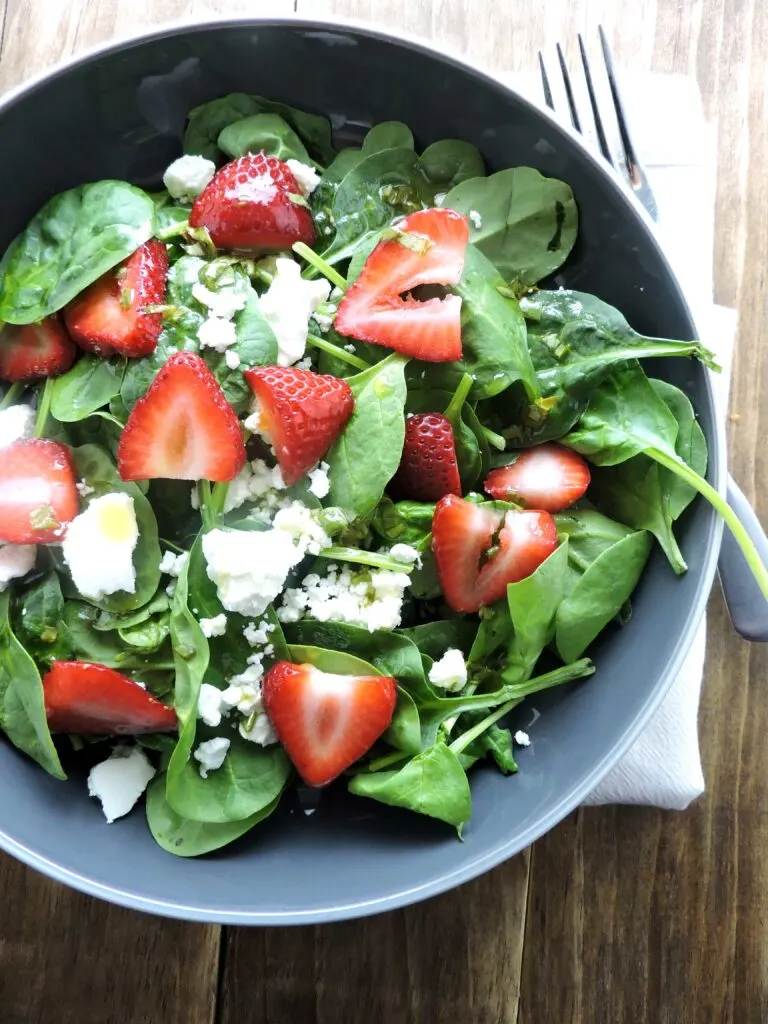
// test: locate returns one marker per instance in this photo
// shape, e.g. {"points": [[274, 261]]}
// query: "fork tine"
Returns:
{"points": [[545, 83], [568, 90], [593, 103], [626, 142]]}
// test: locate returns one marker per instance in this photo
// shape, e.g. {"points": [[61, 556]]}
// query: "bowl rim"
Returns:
{"points": [[717, 473]]}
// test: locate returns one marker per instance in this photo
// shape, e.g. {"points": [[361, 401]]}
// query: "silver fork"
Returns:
{"points": [[747, 607]]}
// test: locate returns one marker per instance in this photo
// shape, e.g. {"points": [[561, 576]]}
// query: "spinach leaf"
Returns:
{"points": [[434, 638], [387, 135], [206, 123], [171, 220], [404, 732], [447, 163], [527, 223], [365, 457], [534, 604], [600, 594], [22, 708], [91, 384], [256, 345], [494, 632], [432, 783], [496, 741], [269, 133], [690, 445], [493, 337], [148, 636], [106, 620], [187, 838], [74, 239], [41, 625], [407, 522], [337, 662], [321, 200], [97, 469], [89, 643]]}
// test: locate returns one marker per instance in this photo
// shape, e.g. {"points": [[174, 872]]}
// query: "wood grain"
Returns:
{"points": [[621, 915]]}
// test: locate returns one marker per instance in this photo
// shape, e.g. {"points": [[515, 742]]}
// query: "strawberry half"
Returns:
{"points": [[89, 699], [549, 476], [34, 351], [301, 412], [479, 550], [183, 428], [37, 491], [428, 467], [324, 721], [373, 308], [108, 318], [254, 205]]}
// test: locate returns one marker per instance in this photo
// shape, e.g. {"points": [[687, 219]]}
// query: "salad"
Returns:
{"points": [[305, 476]]}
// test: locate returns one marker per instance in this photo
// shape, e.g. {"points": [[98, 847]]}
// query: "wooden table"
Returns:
{"points": [[620, 914]]}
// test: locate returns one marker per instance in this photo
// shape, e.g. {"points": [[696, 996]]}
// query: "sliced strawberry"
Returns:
{"points": [[33, 351], [108, 318], [428, 467], [549, 476], [479, 550], [89, 699], [183, 428], [373, 308], [324, 721], [301, 412], [254, 205], [37, 492]]}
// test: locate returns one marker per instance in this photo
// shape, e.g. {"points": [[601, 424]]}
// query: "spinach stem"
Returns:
{"points": [[205, 500], [362, 557], [453, 411], [172, 545], [462, 742], [10, 396], [320, 264], [732, 521], [44, 408], [337, 351], [109, 418], [387, 760], [494, 439], [173, 230], [219, 498]]}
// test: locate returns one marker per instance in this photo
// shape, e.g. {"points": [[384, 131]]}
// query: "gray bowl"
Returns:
{"points": [[119, 113]]}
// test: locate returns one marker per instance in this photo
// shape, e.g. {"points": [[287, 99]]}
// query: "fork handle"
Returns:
{"points": [[746, 605]]}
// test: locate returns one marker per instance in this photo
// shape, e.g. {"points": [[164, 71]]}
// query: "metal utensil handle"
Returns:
{"points": [[746, 605]]}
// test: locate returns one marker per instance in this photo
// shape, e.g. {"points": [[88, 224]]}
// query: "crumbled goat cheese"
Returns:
{"points": [[440, 198], [216, 333], [319, 484], [305, 363], [261, 731], [287, 306], [186, 177], [405, 553], [450, 672], [172, 564], [17, 423], [249, 568], [16, 560], [232, 359], [84, 489], [257, 633], [302, 526], [222, 304], [215, 626], [254, 481], [211, 754], [209, 704], [522, 739], [475, 219], [350, 348], [306, 177], [374, 601], [119, 781], [99, 544]]}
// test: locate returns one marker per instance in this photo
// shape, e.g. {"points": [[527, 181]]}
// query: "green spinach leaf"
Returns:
{"points": [[90, 385], [41, 625], [533, 605], [268, 133], [387, 135], [445, 164]]}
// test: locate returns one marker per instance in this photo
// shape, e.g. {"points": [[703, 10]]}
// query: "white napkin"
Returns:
{"points": [[678, 152]]}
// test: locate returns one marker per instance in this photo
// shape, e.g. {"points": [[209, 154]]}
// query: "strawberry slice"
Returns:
{"points": [[108, 318], [479, 550], [373, 308], [428, 467], [34, 351], [254, 205], [325, 721], [548, 476], [89, 699], [37, 491], [301, 412], [183, 428]]}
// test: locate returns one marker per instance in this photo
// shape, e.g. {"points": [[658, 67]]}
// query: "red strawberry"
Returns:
{"points": [[479, 550], [32, 351], [428, 467], [301, 412], [248, 207], [324, 721], [108, 318], [373, 308], [183, 428], [549, 476], [89, 699], [37, 491]]}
